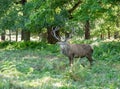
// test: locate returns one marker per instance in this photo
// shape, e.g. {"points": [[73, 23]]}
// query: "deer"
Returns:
{"points": [[73, 50]]}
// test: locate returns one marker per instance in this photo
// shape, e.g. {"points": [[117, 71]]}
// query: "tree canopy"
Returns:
{"points": [[35, 15]]}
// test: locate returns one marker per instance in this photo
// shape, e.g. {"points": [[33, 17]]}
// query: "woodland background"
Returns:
{"points": [[30, 57]]}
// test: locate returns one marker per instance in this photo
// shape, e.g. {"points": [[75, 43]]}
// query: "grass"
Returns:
{"points": [[29, 67]]}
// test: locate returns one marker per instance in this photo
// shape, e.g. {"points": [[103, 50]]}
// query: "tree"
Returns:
{"points": [[87, 29], [31, 16], [48, 14], [25, 34]]}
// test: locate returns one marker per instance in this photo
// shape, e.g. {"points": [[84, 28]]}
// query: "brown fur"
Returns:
{"points": [[76, 51]]}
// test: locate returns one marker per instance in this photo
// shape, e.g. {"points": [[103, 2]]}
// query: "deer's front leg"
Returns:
{"points": [[71, 60]]}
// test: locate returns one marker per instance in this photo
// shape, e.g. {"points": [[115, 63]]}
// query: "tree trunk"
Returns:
{"points": [[108, 34], [23, 2], [102, 36], [50, 38], [3, 36], [10, 35], [16, 36], [74, 8], [116, 34], [25, 35], [87, 29]]}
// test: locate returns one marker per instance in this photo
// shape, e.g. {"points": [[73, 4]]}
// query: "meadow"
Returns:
{"points": [[36, 65]]}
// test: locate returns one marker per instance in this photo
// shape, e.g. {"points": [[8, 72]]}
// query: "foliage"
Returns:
{"points": [[108, 51], [38, 65], [48, 13], [5, 5], [38, 14], [42, 69], [28, 45]]}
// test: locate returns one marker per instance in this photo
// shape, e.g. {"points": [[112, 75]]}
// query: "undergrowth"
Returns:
{"points": [[36, 65]]}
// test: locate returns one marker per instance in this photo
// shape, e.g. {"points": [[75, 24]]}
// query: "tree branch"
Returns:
{"points": [[75, 6]]}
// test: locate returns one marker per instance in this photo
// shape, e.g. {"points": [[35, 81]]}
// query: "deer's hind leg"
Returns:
{"points": [[89, 57]]}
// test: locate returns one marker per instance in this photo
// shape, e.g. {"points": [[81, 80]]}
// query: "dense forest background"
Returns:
{"points": [[30, 57], [27, 19]]}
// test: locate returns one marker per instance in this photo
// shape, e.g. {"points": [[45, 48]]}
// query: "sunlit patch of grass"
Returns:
{"points": [[47, 69], [77, 72], [44, 82]]}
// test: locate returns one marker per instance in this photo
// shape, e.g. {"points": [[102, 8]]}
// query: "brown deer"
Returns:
{"points": [[74, 50]]}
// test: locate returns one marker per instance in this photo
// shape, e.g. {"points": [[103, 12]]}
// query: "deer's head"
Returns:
{"points": [[62, 41]]}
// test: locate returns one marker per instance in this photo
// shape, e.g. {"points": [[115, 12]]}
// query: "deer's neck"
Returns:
{"points": [[65, 49]]}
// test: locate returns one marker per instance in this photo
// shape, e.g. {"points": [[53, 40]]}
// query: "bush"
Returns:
{"points": [[28, 45], [107, 51]]}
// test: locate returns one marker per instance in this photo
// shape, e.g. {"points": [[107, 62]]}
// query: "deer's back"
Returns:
{"points": [[80, 49]]}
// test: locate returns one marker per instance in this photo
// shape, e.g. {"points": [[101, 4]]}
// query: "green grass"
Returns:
{"points": [[41, 66]]}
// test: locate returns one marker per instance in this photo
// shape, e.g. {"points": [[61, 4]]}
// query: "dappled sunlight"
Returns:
{"points": [[110, 40], [95, 43], [13, 73], [58, 84], [51, 57], [14, 79], [42, 69], [8, 70], [20, 79], [30, 57], [48, 81]]}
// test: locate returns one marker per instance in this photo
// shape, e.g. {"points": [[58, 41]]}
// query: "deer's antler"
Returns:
{"points": [[54, 32]]}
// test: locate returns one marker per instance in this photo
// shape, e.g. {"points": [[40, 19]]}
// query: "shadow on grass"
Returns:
{"points": [[42, 69]]}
